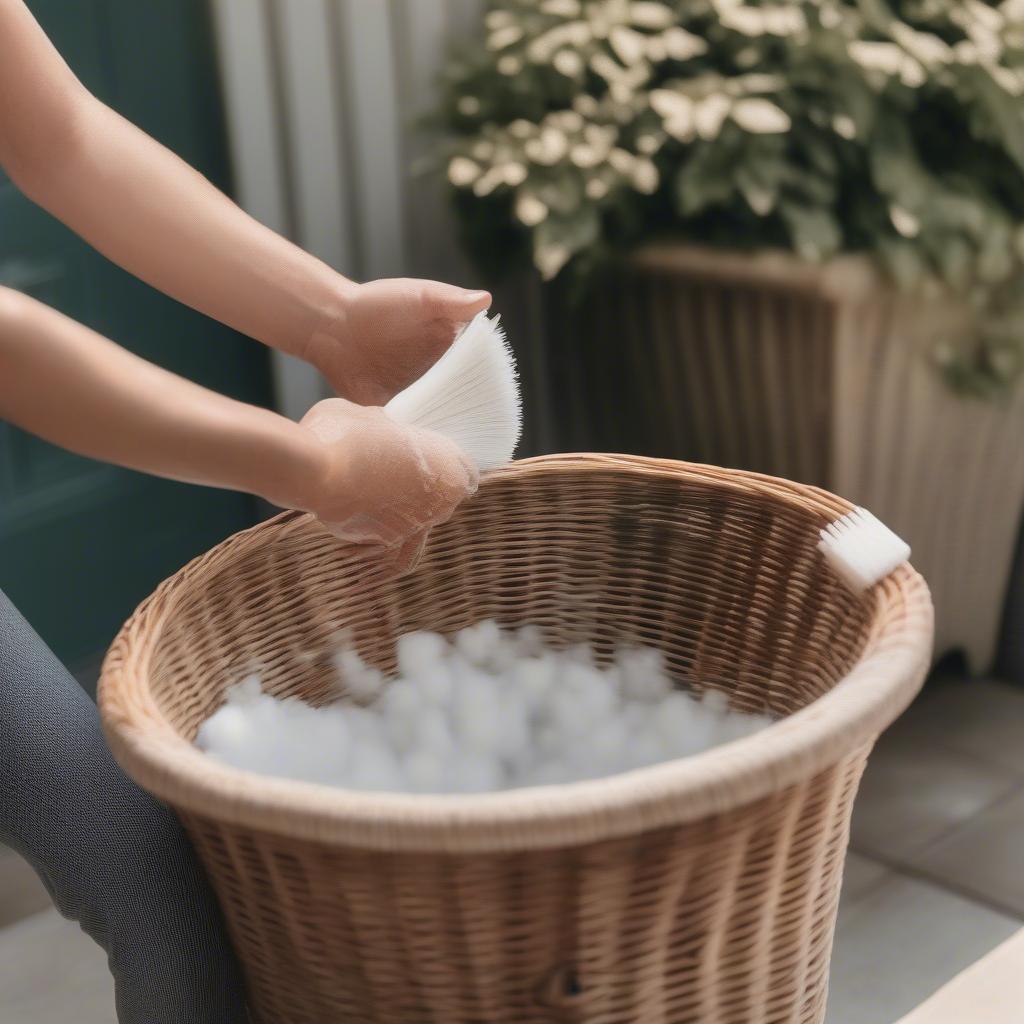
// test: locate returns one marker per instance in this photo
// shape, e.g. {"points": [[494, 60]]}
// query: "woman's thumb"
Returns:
{"points": [[459, 303]]}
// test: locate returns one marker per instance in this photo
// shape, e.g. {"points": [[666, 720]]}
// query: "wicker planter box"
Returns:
{"points": [[823, 375], [698, 890]]}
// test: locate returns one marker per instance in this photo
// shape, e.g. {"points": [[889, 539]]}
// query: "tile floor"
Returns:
{"points": [[933, 880]]}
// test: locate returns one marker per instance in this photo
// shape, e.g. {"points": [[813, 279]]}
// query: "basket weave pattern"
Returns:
{"points": [[703, 891]]}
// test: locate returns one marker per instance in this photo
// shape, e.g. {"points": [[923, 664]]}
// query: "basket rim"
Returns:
{"points": [[845, 719]]}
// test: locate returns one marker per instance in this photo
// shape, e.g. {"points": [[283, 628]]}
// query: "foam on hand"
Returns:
{"points": [[495, 709]]}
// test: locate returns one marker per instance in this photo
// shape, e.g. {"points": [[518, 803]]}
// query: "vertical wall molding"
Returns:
{"points": [[365, 52], [252, 84]]}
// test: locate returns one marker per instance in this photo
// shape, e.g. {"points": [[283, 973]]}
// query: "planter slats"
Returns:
{"points": [[820, 374]]}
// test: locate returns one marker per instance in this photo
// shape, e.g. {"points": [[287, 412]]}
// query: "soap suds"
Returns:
{"points": [[494, 709]]}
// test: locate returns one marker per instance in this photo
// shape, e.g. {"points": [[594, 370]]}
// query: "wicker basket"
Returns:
{"points": [[703, 890]]}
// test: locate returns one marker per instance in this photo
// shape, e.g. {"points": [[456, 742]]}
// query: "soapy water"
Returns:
{"points": [[493, 709]]}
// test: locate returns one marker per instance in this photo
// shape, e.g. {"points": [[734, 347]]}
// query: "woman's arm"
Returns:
{"points": [[78, 390], [150, 212], [145, 208], [370, 479]]}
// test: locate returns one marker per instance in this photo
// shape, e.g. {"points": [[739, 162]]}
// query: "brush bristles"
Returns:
{"points": [[862, 549], [471, 395]]}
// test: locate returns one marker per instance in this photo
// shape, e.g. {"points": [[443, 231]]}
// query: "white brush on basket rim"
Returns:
{"points": [[471, 395], [861, 549]]}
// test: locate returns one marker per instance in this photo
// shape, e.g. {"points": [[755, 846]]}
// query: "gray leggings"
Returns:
{"points": [[112, 857]]}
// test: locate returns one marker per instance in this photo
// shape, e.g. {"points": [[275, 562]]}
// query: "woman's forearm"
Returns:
{"points": [[65, 383], [147, 210]]}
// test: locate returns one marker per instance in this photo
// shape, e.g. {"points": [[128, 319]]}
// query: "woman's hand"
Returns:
{"points": [[370, 479], [382, 483], [389, 334]]}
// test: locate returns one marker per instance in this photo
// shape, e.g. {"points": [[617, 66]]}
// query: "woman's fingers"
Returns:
{"points": [[450, 478], [385, 529], [382, 482]]}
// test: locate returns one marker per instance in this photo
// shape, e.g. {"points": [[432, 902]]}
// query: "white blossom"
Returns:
{"points": [[568, 63], [682, 45], [530, 210], [760, 116], [649, 14], [550, 259], [628, 44], [904, 221], [709, 114], [510, 64], [504, 37], [844, 126], [462, 171], [548, 147], [645, 176], [562, 8]]}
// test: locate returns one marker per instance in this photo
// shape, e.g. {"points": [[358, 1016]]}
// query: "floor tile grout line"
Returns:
{"points": [[936, 735], [852, 901], [1004, 795], [30, 920], [1017, 773], [920, 874]]}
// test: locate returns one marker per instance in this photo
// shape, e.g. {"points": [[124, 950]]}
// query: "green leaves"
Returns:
{"points": [[815, 233], [1000, 114], [903, 260], [579, 128], [759, 182], [557, 239], [706, 178]]}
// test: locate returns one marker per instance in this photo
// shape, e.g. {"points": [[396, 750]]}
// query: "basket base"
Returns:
{"points": [[727, 920]]}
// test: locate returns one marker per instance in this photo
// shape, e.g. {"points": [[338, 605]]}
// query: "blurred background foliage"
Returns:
{"points": [[586, 127]]}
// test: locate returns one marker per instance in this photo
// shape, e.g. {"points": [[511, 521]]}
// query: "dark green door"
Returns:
{"points": [[82, 543]]}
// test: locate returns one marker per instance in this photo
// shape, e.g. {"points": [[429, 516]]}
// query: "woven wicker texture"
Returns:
{"points": [[700, 891]]}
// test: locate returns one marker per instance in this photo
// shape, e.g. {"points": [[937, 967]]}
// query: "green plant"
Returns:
{"points": [[583, 127]]}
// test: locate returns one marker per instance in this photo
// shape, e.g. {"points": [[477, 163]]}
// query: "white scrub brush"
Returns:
{"points": [[862, 549], [471, 395]]}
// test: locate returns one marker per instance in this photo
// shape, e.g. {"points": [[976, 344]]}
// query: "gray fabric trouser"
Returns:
{"points": [[113, 858]]}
